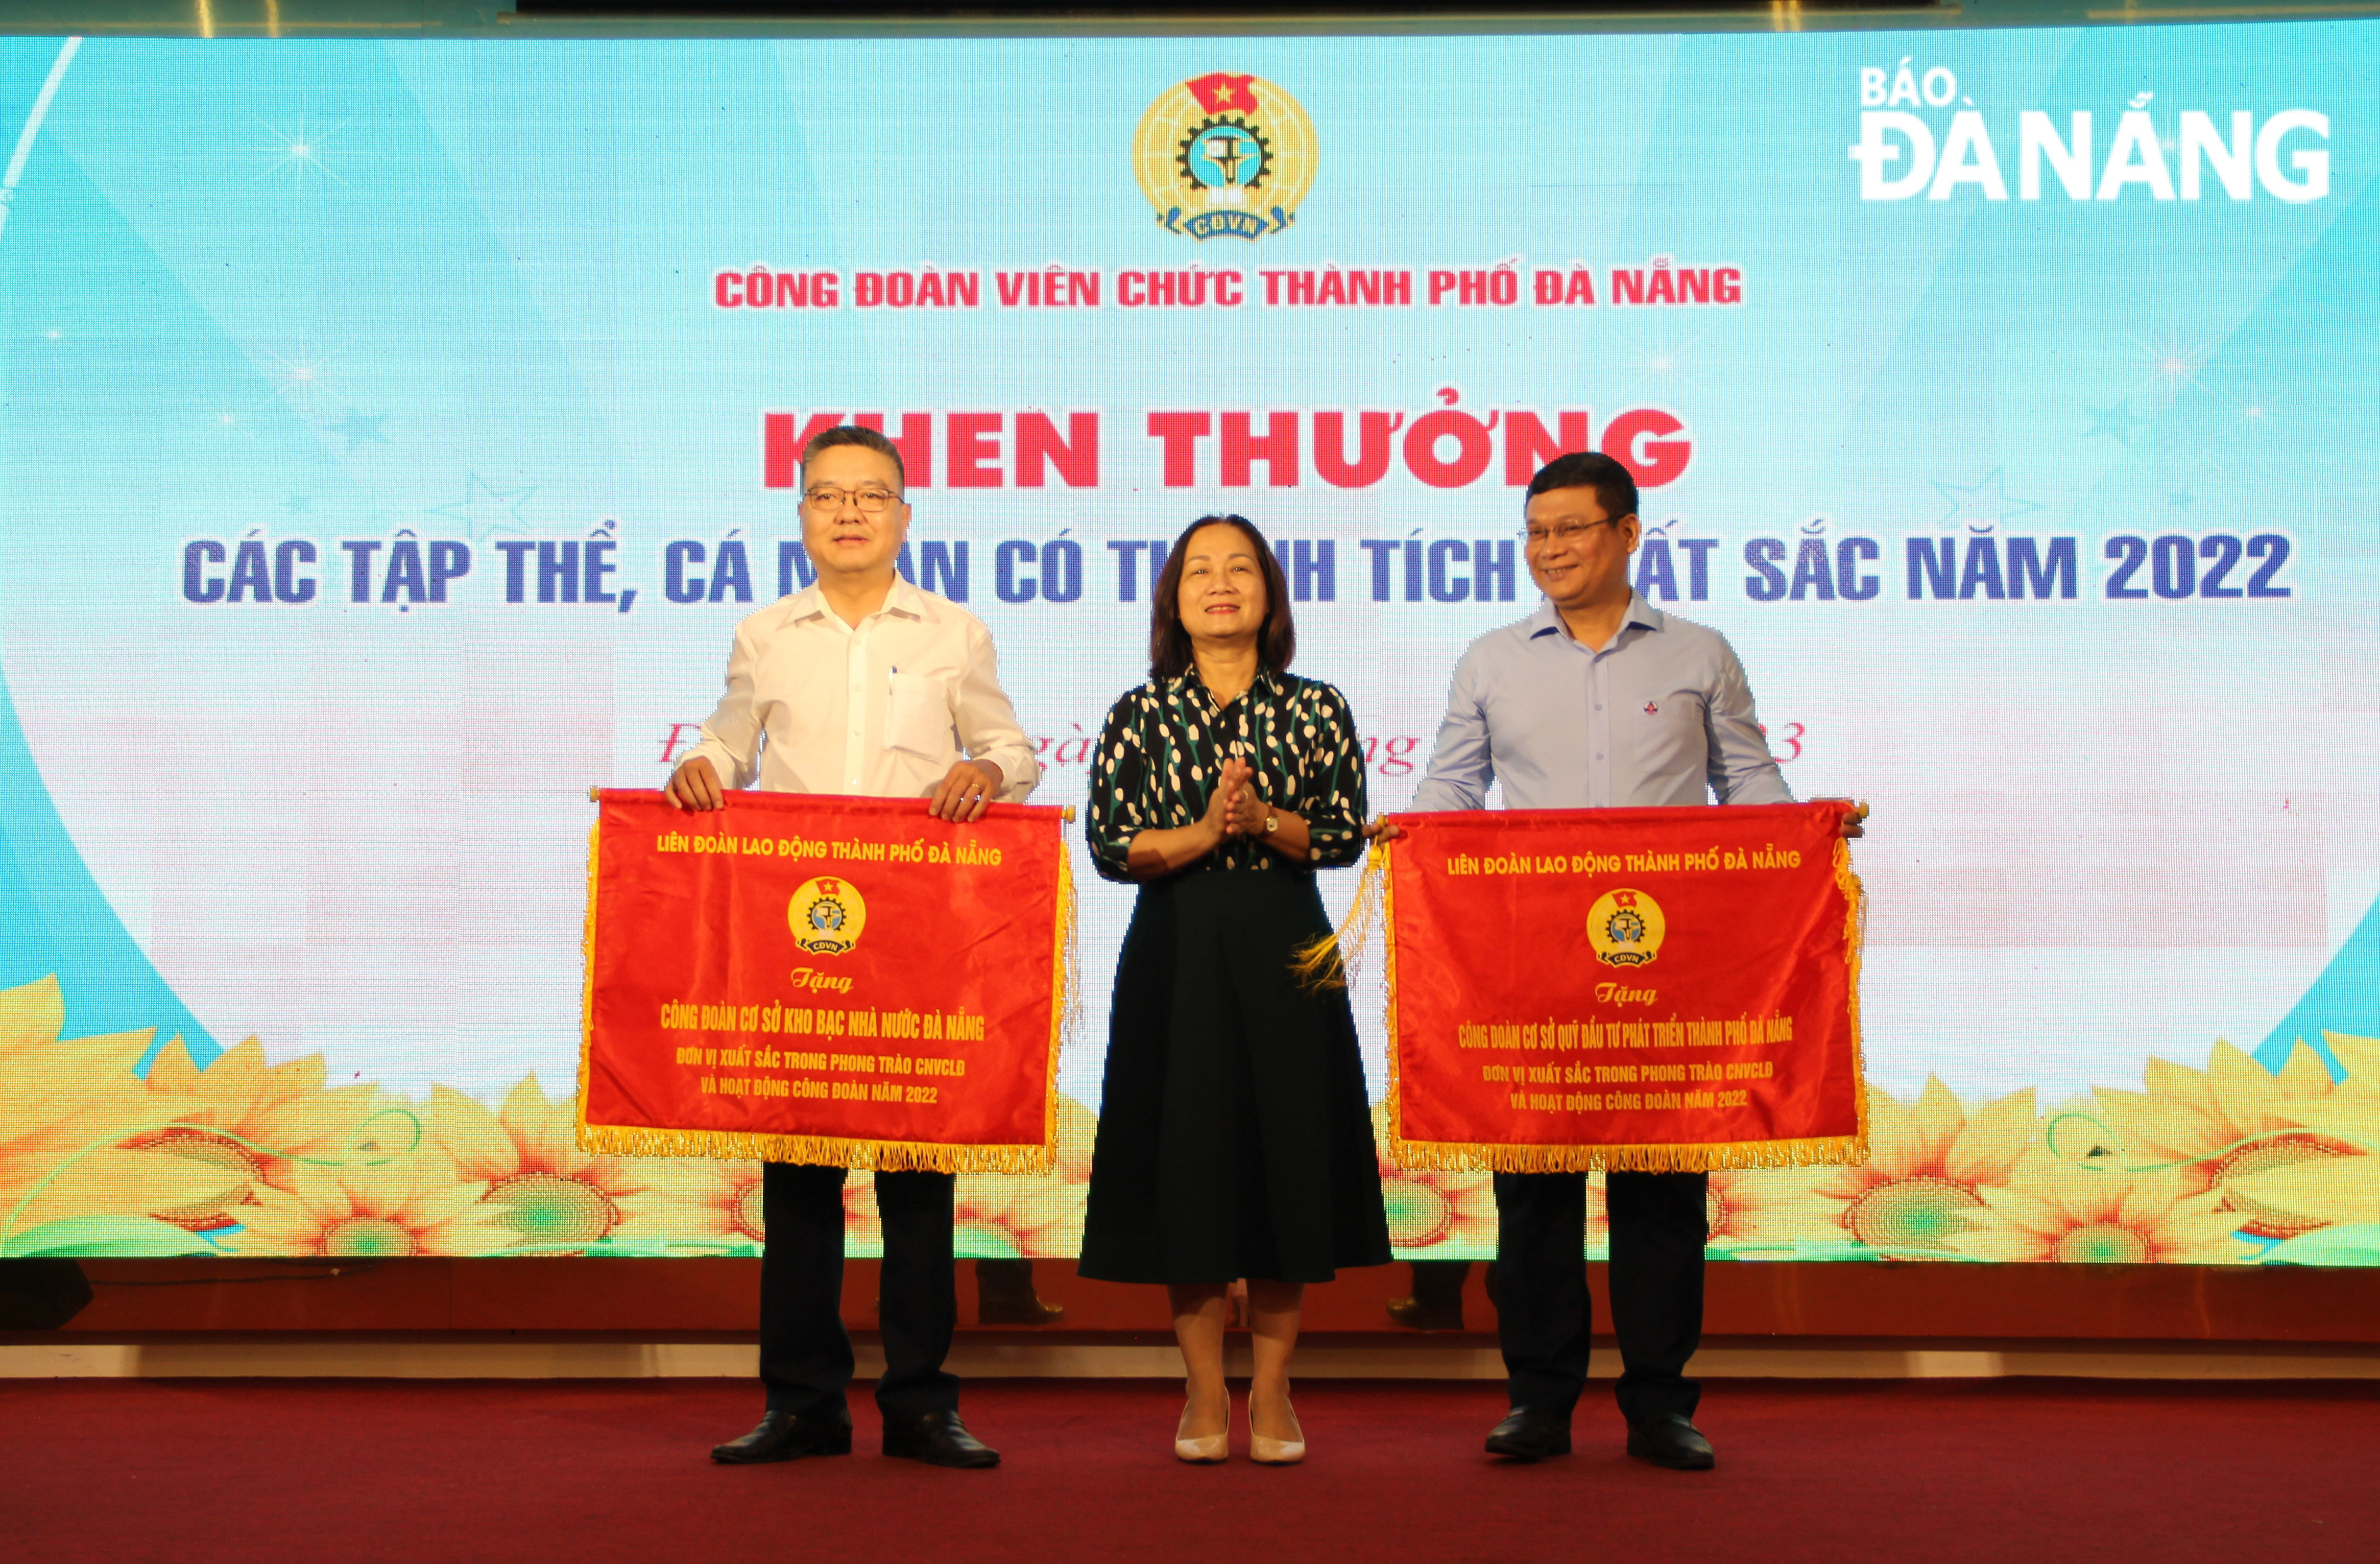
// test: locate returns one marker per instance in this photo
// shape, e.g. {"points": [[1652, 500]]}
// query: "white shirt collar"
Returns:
{"points": [[905, 599]]}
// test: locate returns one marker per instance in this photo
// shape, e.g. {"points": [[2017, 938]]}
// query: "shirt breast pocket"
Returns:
{"points": [[918, 718], [1669, 737]]}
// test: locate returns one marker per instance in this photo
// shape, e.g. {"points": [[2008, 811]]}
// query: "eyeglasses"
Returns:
{"points": [[870, 499], [1568, 532]]}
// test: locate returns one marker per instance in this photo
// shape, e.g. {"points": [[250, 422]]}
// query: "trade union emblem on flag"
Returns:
{"points": [[843, 981], [1657, 989]]}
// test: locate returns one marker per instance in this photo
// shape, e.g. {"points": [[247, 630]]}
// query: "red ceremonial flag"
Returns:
{"points": [[841, 980], [1219, 91], [1661, 989]]}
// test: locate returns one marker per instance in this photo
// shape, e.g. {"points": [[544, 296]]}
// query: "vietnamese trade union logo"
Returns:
{"points": [[1221, 153], [827, 915], [1626, 928]]}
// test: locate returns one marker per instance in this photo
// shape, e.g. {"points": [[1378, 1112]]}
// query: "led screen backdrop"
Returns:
{"points": [[395, 433]]}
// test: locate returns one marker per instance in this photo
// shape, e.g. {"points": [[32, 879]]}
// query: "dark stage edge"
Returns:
{"points": [[351, 1470]]}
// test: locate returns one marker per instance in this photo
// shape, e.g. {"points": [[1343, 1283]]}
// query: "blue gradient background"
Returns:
{"points": [[480, 307]]}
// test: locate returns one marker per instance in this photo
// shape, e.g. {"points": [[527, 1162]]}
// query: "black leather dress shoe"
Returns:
{"points": [[1423, 1314], [1025, 1310], [1531, 1433], [1004, 1295], [782, 1435], [938, 1439], [1672, 1441]]}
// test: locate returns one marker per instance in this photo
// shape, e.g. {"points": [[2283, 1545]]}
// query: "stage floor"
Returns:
{"points": [[590, 1471]]}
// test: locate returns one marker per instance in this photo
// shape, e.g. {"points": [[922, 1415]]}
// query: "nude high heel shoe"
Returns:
{"points": [[1212, 1450], [1276, 1452]]}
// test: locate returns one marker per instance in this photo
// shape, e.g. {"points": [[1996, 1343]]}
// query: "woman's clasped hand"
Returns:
{"points": [[1237, 810]]}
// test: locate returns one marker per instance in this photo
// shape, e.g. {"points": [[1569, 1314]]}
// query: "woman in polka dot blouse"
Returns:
{"points": [[1234, 1141]]}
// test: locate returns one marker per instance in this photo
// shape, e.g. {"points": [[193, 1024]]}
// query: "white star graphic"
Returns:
{"points": [[2256, 415], [1979, 506], [485, 508], [2172, 364], [1661, 363], [299, 374], [297, 151]]}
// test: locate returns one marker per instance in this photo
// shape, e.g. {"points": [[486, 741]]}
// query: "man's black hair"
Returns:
{"points": [[1614, 485]]}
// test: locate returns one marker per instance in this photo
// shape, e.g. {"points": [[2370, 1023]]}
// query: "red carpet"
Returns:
{"points": [[2036, 1470]]}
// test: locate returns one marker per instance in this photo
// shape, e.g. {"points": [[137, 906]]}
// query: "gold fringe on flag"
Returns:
{"points": [[1833, 1151], [822, 1151], [587, 981], [1455, 1157], [1065, 1003], [1326, 962]]}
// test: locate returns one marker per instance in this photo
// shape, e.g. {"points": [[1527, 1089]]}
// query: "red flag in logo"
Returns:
{"points": [[1220, 90]]}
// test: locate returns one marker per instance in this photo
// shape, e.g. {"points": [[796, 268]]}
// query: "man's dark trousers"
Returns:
{"points": [[805, 1352], [1545, 1319]]}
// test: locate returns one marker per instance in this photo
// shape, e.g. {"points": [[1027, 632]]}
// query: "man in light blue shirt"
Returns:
{"points": [[1599, 700], [1654, 712]]}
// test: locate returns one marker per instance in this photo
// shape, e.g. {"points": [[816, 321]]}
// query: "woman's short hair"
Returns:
{"points": [[1168, 642]]}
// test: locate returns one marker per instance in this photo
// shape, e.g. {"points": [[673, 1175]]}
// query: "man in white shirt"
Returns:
{"points": [[858, 684]]}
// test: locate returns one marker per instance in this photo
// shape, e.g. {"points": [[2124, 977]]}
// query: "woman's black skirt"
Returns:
{"points": [[1234, 1139]]}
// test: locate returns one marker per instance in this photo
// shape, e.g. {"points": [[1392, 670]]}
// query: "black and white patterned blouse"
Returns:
{"points": [[1163, 748]]}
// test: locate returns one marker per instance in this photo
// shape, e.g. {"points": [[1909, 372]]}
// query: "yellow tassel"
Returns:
{"points": [[1065, 1001], [1381, 851], [1855, 949], [1326, 961], [587, 983]]}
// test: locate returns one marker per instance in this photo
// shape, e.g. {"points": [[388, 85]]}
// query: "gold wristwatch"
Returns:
{"points": [[1272, 823]]}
